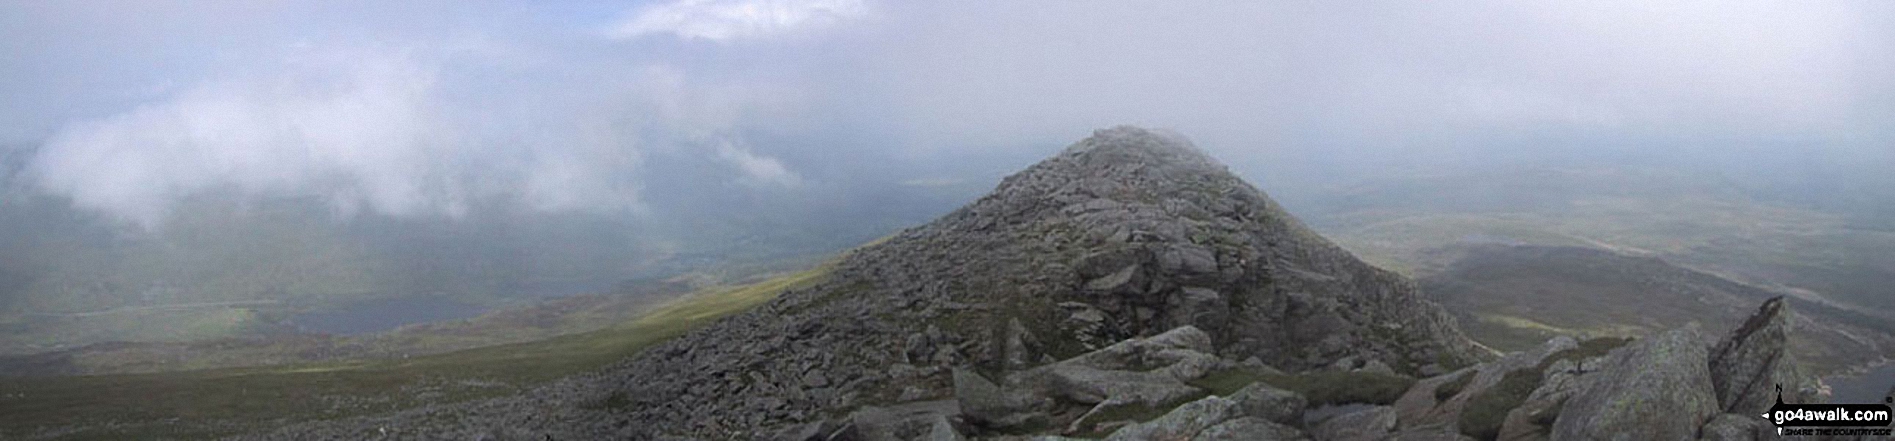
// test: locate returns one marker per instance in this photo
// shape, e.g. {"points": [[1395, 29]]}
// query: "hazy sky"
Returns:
{"points": [[427, 108]]}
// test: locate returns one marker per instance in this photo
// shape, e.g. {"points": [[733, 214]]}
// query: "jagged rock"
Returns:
{"points": [[1750, 362], [1137, 373], [1532, 420], [1020, 344], [1183, 423], [1250, 429], [1271, 404], [1737, 427], [1369, 424], [1376, 366], [1083, 384], [899, 422], [1203, 308], [942, 430], [1658, 388], [987, 404], [1419, 406]]}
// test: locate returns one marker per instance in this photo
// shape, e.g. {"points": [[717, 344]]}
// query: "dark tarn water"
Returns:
{"points": [[383, 315], [1869, 387]]}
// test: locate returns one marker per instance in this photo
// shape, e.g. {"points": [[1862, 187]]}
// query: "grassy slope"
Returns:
{"points": [[213, 402]]}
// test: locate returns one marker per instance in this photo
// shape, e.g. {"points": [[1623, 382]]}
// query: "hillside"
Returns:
{"points": [[1515, 297], [1128, 233]]}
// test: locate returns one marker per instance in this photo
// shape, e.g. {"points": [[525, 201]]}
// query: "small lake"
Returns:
{"points": [[383, 315], [1869, 387]]}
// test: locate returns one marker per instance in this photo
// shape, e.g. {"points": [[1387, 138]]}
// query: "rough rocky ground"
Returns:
{"points": [[1132, 288]]}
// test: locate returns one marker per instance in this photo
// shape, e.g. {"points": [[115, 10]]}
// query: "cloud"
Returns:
{"points": [[359, 128], [730, 20], [758, 170], [394, 132], [558, 118]]}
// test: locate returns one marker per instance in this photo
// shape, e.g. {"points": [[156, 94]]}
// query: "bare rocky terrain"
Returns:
{"points": [[1129, 288]]}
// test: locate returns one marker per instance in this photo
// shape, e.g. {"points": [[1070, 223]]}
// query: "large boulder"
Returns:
{"points": [[1423, 405], [1655, 389], [987, 404], [1182, 423], [1532, 419], [1271, 404], [1369, 424], [1748, 365]]}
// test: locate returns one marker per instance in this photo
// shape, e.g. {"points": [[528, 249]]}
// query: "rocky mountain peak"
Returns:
{"points": [[1132, 255], [1135, 145]]}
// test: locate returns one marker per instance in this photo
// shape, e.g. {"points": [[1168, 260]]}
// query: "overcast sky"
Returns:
{"points": [[425, 108]]}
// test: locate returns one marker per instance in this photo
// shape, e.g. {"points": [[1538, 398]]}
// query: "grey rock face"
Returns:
{"points": [[1748, 364], [1655, 389]]}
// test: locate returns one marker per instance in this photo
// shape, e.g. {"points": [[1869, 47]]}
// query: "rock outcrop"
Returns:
{"points": [[1749, 364], [1658, 388], [1128, 233]]}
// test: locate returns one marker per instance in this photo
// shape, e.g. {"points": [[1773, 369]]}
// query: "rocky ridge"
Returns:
{"points": [[1132, 288]]}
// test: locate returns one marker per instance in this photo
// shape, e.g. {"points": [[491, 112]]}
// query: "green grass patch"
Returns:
{"points": [[1226, 382], [221, 401]]}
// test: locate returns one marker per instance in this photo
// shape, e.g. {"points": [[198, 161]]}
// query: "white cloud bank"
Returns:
{"points": [[730, 20], [359, 128]]}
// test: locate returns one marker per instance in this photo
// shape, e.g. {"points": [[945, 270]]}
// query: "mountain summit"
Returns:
{"points": [[1128, 233], [1128, 239]]}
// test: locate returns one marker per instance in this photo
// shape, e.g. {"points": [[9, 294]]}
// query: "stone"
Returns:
{"points": [[1369, 424], [812, 431], [1183, 423], [987, 404], [1118, 281], [1657, 388], [1749, 363], [1019, 347], [1737, 427], [942, 430], [1083, 384], [1203, 308], [1271, 404], [1530, 421], [1420, 407], [1250, 429]]}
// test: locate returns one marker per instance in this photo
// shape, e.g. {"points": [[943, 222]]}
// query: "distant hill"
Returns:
{"points": [[1515, 297]]}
